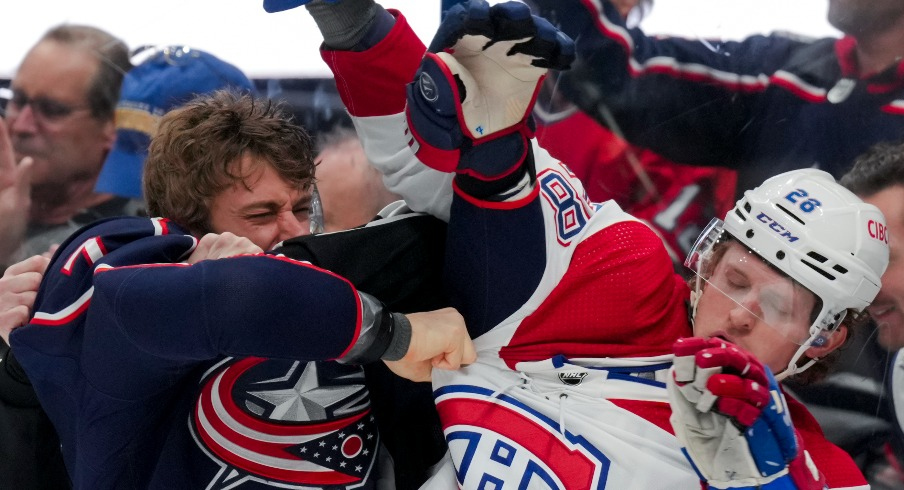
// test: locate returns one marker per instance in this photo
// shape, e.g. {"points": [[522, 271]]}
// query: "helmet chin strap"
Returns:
{"points": [[818, 337], [793, 368]]}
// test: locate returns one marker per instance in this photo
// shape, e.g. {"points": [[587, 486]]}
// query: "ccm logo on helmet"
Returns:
{"points": [[877, 230], [774, 226]]}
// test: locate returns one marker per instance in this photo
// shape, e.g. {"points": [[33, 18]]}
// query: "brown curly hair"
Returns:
{"points": [[194, 155]]}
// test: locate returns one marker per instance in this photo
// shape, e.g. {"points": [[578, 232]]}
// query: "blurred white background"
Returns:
{"points": [[285, 44]]}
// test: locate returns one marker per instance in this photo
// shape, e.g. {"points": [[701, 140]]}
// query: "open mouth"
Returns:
{"points": [[721, 337]]}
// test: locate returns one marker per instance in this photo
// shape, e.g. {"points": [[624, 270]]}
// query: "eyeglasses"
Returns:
{"points": [[44, 108]]}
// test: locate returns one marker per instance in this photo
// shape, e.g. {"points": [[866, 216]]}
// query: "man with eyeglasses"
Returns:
{"points": [[58, 130]]}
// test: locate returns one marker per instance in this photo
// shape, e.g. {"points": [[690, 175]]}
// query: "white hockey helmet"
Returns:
{"points": [[816, 232]]}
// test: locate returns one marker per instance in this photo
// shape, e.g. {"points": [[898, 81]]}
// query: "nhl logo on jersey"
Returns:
{"points": [[572, 379]]}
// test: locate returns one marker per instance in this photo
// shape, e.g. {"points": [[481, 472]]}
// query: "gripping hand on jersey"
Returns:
{"points": [[733, 421], [469, 105]]}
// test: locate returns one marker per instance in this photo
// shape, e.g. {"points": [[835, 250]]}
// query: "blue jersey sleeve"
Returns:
{"points": [[245, 306], [118, 306], [690, 100]]}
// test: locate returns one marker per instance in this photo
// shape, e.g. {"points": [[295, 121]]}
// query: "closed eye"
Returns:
{"points": [[260, 216]]}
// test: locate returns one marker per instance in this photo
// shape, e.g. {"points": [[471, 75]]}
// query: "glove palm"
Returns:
{"points": [[469, 106]]}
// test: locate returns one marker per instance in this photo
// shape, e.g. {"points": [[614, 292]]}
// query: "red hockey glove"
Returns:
{"points": [[732, 419]]}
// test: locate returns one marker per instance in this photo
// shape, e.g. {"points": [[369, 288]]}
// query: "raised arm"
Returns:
{"points": [[660, 91], [371, 75]]}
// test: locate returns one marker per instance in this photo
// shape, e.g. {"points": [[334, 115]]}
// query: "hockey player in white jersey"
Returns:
{"points": [[574, 307]]}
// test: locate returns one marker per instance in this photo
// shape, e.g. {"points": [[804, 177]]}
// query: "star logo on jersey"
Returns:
{"points": [[288, 424], [306, 399]]}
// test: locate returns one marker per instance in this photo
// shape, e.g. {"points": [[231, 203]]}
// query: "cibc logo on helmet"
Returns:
{"points": [[877, 230]]}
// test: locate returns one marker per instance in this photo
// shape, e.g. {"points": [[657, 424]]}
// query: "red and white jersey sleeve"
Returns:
{"points": [[372, 86]]}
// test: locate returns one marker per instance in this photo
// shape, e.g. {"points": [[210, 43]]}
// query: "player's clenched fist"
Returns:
{"points": [[438, 339]]}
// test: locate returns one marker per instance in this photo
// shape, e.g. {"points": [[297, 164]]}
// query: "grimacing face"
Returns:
{"points": [[264, 208], [750, 304]]}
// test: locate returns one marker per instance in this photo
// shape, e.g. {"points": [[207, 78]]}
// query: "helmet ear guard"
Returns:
{"points": [[817, 233]]}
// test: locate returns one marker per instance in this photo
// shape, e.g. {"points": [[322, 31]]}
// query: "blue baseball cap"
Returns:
{"points": [[167, 79]]}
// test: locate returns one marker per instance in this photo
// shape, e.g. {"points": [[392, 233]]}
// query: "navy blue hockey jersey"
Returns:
{"points": [[160, 374]]}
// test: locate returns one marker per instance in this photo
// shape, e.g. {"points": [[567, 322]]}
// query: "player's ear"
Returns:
{"points": [[834, 341]]}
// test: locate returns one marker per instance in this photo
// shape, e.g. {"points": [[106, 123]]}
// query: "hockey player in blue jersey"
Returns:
{"points": [[163, 370]]}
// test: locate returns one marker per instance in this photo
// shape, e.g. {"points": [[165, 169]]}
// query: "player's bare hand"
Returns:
{"points": [[440, 340], [413, 370], [217, 246], [15, 196], [18, 288]]}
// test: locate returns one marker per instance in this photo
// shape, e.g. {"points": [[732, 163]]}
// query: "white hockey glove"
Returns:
{"points": [[733, 421], [469, 105]]}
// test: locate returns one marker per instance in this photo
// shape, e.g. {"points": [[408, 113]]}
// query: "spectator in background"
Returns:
{"points": [[877, 177], [61, 116], [762, 106], [58, 129], [351, 189]]}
